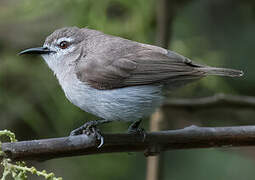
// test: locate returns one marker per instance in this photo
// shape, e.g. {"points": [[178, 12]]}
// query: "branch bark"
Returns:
{"points": [[216, 101], [154, 143]]}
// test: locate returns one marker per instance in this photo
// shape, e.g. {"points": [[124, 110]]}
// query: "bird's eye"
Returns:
{"points": [[63, 45]]}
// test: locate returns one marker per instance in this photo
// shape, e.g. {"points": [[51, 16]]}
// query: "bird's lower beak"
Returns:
{"points": [[38, 50]]}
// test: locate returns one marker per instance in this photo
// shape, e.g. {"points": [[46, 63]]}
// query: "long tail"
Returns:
{"points": [[221, 71]]}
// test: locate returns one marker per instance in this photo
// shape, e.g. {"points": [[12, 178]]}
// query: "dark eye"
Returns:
{"points": [[63, 44]]}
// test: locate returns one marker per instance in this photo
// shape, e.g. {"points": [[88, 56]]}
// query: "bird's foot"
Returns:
{"points": [[90, 128], [135, 129]]}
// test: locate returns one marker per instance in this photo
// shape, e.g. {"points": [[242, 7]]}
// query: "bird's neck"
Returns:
{"points": [[65, 74]]}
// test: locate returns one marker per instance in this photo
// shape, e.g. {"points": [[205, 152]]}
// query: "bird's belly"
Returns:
{"points": [[129, 104]]}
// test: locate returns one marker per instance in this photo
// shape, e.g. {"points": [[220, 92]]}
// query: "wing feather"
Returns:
{"points": [[138, 64]]}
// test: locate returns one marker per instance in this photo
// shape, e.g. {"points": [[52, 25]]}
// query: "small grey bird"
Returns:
{"points": [[115, 78]]}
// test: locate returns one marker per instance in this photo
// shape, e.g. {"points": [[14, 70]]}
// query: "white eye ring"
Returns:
{"points": [[63, 44], [67, 40]]}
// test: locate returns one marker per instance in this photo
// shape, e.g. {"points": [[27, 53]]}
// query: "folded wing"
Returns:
{"points": [[142, 64]]}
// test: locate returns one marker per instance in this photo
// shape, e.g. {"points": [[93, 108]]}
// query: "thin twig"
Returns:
{"points": [[155, 142], [216, 101]]}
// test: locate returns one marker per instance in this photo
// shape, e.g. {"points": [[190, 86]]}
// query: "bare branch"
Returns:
{"points": [[155, 142], [216, 101]]}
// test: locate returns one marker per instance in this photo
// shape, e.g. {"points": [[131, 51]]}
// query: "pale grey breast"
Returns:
{"points": [[128, 104]]}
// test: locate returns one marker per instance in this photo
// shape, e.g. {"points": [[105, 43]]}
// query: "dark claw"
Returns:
{"points": [[76, 132], [138, 131], [89, 128], [98, 135], [135, 129]]}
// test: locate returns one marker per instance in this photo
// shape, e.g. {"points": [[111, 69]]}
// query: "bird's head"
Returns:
{"points": [[61, 48]]}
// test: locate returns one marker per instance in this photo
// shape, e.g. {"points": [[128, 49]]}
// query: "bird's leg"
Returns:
{"points": [[91, 128], [135, 129]]}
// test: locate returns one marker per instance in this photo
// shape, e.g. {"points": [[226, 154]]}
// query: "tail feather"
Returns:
{"points": [[221, 71]]}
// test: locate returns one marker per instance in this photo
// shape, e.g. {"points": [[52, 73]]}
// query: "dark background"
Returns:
{"points": [[213, 32]]}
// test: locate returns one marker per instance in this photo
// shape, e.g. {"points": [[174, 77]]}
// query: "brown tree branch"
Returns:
{"points": [[155, 142], [216, 101]]}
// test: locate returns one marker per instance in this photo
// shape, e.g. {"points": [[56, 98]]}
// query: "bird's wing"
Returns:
{"points": [[138, 64]]}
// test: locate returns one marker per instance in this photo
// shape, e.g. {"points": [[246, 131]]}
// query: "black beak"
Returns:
{"points": [[38, 50]]}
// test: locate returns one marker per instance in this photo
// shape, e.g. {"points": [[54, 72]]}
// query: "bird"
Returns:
{"points": [[114, 78]]}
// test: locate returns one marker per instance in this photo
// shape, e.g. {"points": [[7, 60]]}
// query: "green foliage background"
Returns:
{"points": [[32, 104]]}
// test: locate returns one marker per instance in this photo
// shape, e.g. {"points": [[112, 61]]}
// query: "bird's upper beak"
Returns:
{"points": [[38, 50]]}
